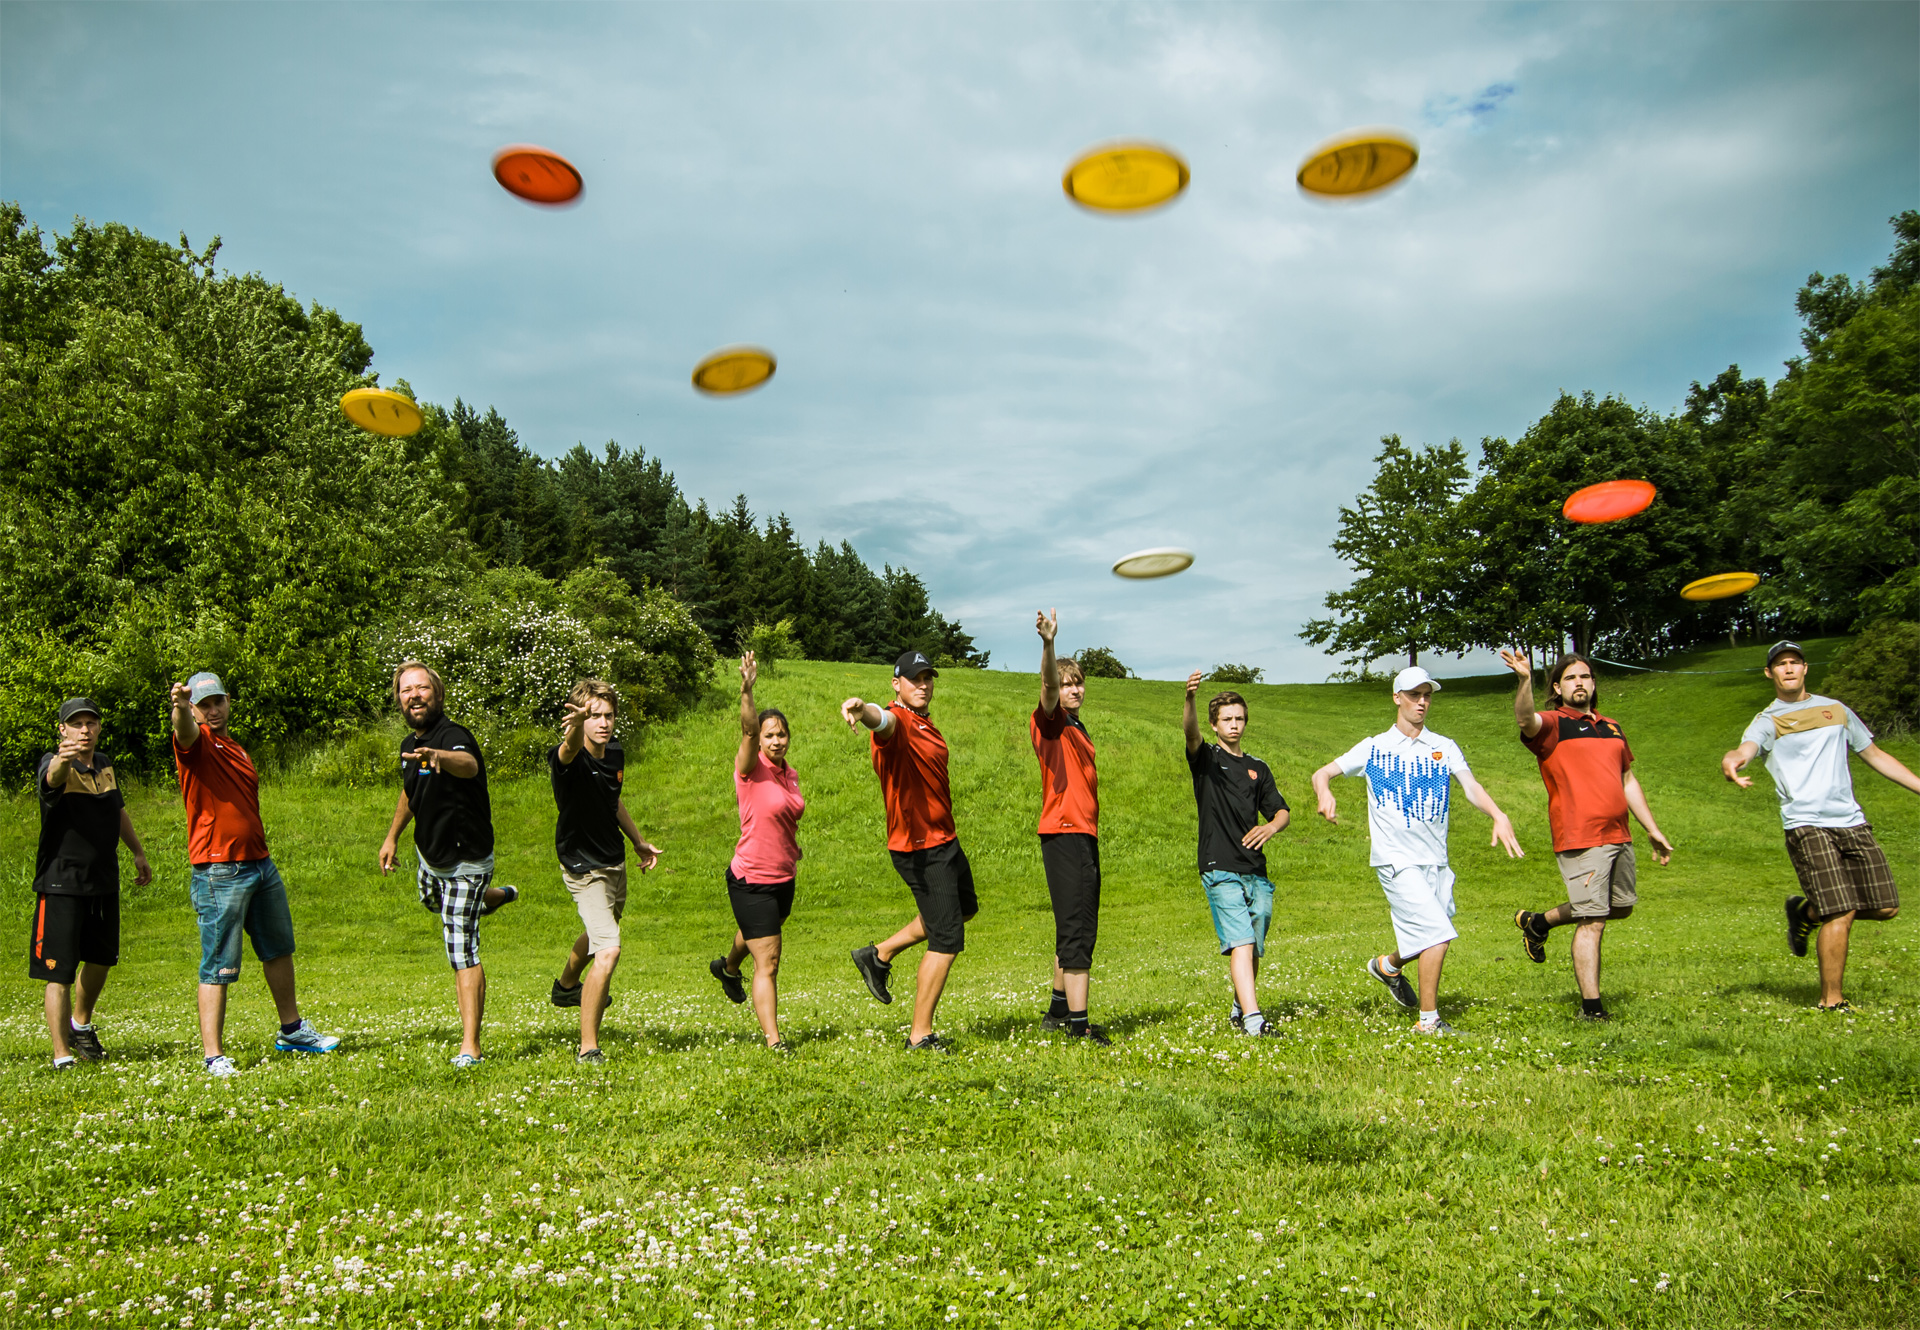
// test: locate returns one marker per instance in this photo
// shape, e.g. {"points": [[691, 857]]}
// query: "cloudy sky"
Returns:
{"points": [[977, 379]]}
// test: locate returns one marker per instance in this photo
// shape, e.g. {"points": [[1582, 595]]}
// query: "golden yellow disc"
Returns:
{"points": [[737, 369], [382, 412], [1358, 162], [1125, 177], [1720, 586]]}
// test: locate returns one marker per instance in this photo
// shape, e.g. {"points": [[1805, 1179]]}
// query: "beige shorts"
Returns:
{"points": [[600, 894], [1599, 881]]}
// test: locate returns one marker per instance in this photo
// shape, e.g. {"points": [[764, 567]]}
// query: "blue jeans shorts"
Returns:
{"points": [[233, 896], [1242, 905]]}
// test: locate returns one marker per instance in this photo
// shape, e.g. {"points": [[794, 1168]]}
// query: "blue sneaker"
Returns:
{"points": [[465, 1060], [306, 1039]]}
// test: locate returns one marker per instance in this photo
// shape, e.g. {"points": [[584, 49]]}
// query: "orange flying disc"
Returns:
{"points": [[1720, 586], [1360, 161], [381, 412], [736, 369], [1609, 501], [1162, 561], [537, 175], [1125, 177]]}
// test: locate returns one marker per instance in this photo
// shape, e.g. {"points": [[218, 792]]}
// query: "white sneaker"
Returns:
{"points": [[306, 1039], [465, 1060], [1436, 1027], [222, 1066]]}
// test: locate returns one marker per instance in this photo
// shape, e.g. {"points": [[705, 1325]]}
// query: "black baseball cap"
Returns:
{"points": [[910, 664], [1781, 649], [75, 706]]}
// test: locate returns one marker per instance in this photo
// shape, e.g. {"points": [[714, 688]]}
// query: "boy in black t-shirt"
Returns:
{"points": [[75, 936], [1233, 791], [588, 768], [444, 791]]}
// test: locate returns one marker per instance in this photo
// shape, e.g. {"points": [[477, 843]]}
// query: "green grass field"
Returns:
{"points": [[1720, 1155]]}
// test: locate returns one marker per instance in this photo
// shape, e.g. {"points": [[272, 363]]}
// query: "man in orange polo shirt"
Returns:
{"points": [[1069, 832], [910, 757], [235, 885]]}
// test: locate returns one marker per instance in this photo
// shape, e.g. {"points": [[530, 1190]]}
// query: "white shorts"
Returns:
{"points": [[1421, 899]]}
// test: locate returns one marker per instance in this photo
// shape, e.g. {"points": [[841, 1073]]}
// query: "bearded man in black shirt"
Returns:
{"points": [[444, 791]]}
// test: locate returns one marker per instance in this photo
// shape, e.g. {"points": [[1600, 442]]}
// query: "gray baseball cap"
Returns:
{"points": [[205, 684], [1779, 649]]}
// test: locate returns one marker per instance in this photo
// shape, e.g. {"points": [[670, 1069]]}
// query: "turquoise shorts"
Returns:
{"points": [[1242, 905]]}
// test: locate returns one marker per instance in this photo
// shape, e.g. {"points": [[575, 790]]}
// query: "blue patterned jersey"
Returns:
{"points": [[1409, 793]]}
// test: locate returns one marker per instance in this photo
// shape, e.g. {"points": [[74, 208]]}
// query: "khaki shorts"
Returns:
{"points": [[600, 894], [1599, 880]]}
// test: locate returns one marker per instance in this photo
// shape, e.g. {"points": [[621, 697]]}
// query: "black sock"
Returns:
{"points": [[1076, 1022], [288, 1027], [1058, 1007], [1592, 1007], [1537, 925]]}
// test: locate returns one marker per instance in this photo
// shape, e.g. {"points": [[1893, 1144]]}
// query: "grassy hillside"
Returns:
{"points": [[1720, 1155]]}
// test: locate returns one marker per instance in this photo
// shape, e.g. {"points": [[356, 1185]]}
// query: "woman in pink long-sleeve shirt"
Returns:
{"points": [[760, 878]]}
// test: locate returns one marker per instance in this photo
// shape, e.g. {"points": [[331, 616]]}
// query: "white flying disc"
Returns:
{"points": [[1164, 561]]}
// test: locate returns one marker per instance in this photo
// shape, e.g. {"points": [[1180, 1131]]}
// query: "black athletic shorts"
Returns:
{"points": [[1072, 860], [759, 907], [68, 931], [942, 882]]}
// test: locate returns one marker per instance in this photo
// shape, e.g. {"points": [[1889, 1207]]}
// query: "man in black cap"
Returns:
{"points": [[75, 938], [910, 758]]}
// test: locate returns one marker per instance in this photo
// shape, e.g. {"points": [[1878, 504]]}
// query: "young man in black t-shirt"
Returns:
{"points": [[444, 791], [75, 936], [587, 769], [1233, 791]]}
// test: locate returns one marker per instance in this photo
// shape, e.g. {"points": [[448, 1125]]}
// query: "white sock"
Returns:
{"points": [[76, 1024], [1255, 1022], [1429, 1017], [1235, 1011]]}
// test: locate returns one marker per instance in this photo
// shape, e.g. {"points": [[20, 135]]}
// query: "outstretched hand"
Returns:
{"points": [[573, 719], [749, 672], [179, 697], [1520, 664], [1046, 623], [850, 712], [1193, 683]]}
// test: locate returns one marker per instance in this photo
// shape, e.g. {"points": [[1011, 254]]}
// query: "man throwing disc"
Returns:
{"points": [[1588, 770], [1842, 871], [1069, 832], [910, 758], [1409, 771]]}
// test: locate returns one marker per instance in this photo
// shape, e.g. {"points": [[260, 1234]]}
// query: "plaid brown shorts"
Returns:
{"points": [[1842, 869]]}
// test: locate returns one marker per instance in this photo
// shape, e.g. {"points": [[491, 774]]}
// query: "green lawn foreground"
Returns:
{"points": [[1719, 1156]]}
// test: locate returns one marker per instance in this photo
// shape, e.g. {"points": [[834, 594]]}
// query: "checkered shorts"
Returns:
{"points": [[457, 900], [1842, 869]]}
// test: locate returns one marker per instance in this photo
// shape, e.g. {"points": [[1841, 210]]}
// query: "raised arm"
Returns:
{"points": [[749, 718], [1730, 764], [1890, 766], [1047, 623], [856, 713], [1524, 715], [573, 733], [1637, 805], [1502, 827], [1189, 718], [186, 730]]}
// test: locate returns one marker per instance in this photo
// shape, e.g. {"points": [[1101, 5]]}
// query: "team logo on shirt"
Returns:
{"points": [[1810, 718], [1252, 774], [1420, 790]]}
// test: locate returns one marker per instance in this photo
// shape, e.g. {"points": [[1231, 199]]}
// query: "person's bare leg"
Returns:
{"points": [[1586, 956], [59, 1011], [766, 972], [926, 994], [1074, 984], [279, 976], [593, 998], [1832, 950], [1430, 962], [492, 897], [470, 988], [213, 1018], [912, 935], [1243, 968], [577, 959], [738, 952], [93, 978], [1559, 915]]}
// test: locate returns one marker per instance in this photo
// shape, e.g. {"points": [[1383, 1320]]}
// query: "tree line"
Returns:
{"points": [[178, 490], [1812, 482]]}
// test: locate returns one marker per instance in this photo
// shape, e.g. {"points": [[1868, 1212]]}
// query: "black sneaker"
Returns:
{"points": [[1798, 925], [1053, 1022], [1535, 943], [735, 990], [592, 1057], [933, 1043], [1093, 1034], [1396, 983], [874, 970], [1594, 1016], [86, 1045], [567, 997]]}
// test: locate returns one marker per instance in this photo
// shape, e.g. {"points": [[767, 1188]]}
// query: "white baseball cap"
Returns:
{"points": [[1411, 678]]}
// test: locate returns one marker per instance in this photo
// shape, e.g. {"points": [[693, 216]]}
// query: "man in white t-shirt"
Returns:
{"points": [[1841, 869], [1409, 770]]}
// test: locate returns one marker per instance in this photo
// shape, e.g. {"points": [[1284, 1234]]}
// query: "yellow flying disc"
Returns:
{"points": [[382, 412], [1360, 161], [1720, 586], [737, 369], [1125, 177], [1164, 561]]}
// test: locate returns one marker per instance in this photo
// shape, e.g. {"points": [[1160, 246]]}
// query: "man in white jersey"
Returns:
{"points": [[1841, 869], [1409, 771]]}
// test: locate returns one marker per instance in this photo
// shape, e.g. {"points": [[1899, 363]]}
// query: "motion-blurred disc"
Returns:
{"points": [[1163, 561], [1361, 161], [736, 369], [1125, 177], [1609, 501], [1720, 586], [537, 175], [381, 411]]}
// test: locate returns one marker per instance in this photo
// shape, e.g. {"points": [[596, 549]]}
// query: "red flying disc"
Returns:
{"points": [[1609, 501], [537, 175]]}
